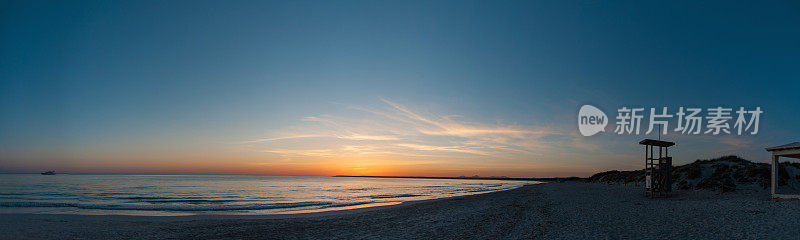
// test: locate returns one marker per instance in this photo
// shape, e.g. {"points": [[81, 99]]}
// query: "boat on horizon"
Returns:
{"points": [[49, 173]]}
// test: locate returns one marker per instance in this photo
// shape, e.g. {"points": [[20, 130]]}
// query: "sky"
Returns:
{"points": [[404, 88]]}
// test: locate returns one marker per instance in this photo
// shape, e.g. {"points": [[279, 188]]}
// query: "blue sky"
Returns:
{"points": [[196, 86]]}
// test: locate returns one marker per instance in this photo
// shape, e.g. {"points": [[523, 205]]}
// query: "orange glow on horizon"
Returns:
{"points": [[317, 167], [392, 140]]}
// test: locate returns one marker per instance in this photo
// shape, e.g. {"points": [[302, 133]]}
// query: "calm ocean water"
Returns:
{"points": [[219, 194]]}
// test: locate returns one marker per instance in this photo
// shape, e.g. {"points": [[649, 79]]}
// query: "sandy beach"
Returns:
{"points": [[553, 211]]}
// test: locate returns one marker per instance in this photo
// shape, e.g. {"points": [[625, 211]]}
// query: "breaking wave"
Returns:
{"points": [[184, 208]]}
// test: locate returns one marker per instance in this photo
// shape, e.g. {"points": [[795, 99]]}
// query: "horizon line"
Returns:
{"points": [[310, 175]]}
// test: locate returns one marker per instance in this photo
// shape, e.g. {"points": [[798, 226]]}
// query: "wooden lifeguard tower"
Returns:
{"points": [[791, 150], [658, 169]]}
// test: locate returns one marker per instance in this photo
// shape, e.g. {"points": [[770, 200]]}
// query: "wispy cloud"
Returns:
{"points": [[461, 149], [282, 138], [736, 142], [396, 130]]}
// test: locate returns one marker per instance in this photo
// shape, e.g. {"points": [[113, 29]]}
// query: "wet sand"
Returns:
{"points": [[553, 211]]}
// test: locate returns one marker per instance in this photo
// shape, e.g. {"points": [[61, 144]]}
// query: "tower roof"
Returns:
{"points": [[784, 146], [658, 143]]}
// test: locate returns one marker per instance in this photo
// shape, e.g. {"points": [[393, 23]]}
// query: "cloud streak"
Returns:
{"points": [[396, 130]]}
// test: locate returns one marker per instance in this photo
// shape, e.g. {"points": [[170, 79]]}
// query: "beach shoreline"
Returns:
{"points": [[324, 212], [551, 210]]}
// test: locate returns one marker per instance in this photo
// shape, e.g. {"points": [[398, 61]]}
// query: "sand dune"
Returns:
{"points": [[724, 174]]}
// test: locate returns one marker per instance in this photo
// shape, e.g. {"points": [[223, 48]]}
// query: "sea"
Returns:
{"points": [[167, 195]]}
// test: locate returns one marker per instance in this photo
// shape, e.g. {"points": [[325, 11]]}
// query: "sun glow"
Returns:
{"points": [[394, 140]]}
